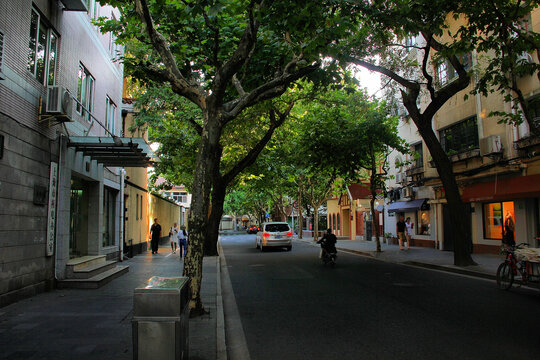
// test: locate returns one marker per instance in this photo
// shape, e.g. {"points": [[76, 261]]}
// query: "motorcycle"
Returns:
{"points": [[326, 256]]}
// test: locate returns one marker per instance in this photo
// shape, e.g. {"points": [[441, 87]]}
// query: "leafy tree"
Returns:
{"points": [[378, 46], [224, 57]]}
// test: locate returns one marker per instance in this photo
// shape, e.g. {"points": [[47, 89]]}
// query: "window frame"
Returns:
{"points": [[110, 122], [464, 146], [419, 163], [86, 84], [47, 75]]}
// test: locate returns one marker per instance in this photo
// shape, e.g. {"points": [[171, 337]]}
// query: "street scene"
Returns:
{"points": [[231, 179]]}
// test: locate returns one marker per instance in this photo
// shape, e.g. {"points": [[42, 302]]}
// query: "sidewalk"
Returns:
{"points": [[421, 256], [96, 324]]}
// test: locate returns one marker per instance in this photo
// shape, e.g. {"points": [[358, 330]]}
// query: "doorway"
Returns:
{"points": [[78, 219]]}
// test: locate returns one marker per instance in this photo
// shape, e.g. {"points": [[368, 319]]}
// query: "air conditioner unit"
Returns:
{"points": [[407, 192], [490, 145], [75, 5], [59, 102]]}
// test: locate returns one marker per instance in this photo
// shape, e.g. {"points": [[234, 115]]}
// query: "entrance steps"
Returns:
{"points": [[91, 272]]}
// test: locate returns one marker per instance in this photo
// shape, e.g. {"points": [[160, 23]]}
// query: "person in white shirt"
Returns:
{"points": [[408, 231], [173, 237], [182, 240]]}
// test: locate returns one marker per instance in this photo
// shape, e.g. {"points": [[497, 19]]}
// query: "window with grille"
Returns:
{"points": [[418, 161], [110, 115], [460, 137]]}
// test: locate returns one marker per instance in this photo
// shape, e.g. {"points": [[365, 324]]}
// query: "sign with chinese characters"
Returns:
{"points": [[51, 218]]}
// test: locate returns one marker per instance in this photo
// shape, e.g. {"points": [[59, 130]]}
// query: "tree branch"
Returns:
{"points": [[256, 150], [174, 76], [400, 80]]}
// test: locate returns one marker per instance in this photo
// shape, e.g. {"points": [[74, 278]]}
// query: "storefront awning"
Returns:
{"points": [[517, 187], [402, 206], [118, 151]]}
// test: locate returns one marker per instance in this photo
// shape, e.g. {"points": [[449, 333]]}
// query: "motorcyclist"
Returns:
{"points": [[328, 242]]}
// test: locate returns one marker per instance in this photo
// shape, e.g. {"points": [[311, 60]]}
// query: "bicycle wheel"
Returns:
{"points": [[505, 276]]}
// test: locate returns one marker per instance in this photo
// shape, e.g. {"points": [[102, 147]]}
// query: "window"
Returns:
{"points": [[110, 115], [534, 109], [410, 41], [137, 207], [42, 50], [495, 215], [460, 137], [338, 223], [85, 93], [418, 161], [446, 72], [1, 55], [109, 212], [113, 47], [423, 226], [93, 9], [179, 196], [277, 228]]}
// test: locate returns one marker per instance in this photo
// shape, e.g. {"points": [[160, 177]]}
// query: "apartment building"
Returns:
{"points": [[497, 166], [61, 150]]}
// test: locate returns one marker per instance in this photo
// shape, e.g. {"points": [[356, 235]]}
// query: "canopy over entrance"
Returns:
{"points": [[118, 151], [402, 206]]}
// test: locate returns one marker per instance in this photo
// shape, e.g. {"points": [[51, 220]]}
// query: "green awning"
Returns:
{"points": [[115, 152]]}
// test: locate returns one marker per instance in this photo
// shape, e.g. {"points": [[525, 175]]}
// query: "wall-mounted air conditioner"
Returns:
{"points": [[407, 192], [490, 145], [75, 5], [59, 102]]}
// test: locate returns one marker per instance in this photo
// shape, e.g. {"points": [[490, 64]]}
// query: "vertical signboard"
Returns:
{"points": [[51, 218]]}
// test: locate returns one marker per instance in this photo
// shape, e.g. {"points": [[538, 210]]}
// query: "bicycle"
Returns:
{"points": [[517, 263]]}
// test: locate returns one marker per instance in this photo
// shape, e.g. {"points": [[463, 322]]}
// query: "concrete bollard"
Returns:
{"points": [[161, 319]]}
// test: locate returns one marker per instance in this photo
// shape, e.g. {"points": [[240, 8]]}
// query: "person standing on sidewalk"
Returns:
{"points": [[173, 237], [408, 231], [155, 230], [182, 240], [400, 230]]}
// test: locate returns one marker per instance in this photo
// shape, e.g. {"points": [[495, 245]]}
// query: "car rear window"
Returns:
{"points": [[277, 227]]}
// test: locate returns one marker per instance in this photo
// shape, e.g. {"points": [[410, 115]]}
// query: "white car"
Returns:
{"points": [[274, 234]]}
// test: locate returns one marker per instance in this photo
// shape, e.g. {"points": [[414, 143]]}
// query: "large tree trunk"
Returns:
{"points": [[375, 218], [300, 216], [316, 222], [459, 216], [205, 168], [218, 200]]}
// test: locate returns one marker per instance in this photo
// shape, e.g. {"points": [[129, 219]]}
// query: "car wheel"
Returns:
{"points": [[262, 248], [256, 244], [289, 248]]}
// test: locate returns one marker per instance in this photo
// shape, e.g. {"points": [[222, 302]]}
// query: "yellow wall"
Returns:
{"points": [[165, 211]]}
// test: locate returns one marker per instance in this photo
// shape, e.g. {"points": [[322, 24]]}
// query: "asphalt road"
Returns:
{"points": [[292, 307]]}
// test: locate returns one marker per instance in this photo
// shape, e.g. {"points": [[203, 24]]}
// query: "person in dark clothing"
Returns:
{"points": [[328, 242], [400, 230], [508, 230], [155, 230]]}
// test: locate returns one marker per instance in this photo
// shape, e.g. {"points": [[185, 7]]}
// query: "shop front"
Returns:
{"points": [[505, 210], [419, 213]]}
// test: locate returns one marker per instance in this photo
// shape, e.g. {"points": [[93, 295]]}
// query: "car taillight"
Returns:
{"points": [[289, 233], [265, 234]]}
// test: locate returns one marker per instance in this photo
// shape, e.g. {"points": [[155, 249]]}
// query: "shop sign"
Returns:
{"points": [[51, 218]]}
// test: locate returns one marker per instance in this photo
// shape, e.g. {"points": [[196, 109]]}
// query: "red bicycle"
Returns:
{"points": [[518, 264]]}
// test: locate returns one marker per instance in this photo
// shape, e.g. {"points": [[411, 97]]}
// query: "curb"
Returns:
{"points": [[234, 344], [221, 346], [445, 268]]}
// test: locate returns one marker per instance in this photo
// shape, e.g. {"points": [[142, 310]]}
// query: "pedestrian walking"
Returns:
{"points": [[408, 231], [182, 241], [173, 237], [400, 230], [155, 232]]}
